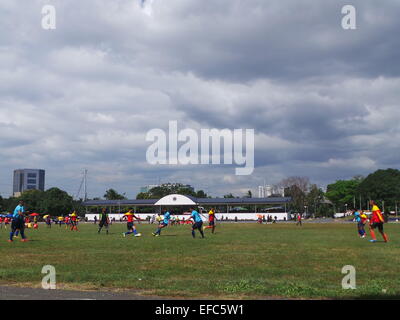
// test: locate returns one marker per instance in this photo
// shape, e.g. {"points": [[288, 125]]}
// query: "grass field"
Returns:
{"points": [[239, 261]]}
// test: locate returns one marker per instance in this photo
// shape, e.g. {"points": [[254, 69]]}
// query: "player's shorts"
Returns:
{"points": [[129, 225], [17, 224], [197, 225], [378, 225], [211, 223], [164, 224], [103, 223]]}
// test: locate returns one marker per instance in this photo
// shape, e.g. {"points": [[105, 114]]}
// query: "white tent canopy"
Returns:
{"points": [[175, 199]]}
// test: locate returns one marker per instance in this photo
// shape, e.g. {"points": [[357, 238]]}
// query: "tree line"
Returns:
{"points": [[383, 186], [54, 201]]}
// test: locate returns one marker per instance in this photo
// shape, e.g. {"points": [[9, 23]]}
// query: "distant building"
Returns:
{"points": [[261, 192], [28, 179], [270, 191]]}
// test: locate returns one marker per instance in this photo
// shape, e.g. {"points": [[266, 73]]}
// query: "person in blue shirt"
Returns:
{"points": [[18, 222], [198, 223], [163, 224], [360, 224]]}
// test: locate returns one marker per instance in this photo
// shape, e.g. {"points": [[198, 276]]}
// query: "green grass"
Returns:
{"points": [[239, 261]]}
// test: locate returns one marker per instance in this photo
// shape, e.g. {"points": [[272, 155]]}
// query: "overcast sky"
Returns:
{"points": [[323, 101]]}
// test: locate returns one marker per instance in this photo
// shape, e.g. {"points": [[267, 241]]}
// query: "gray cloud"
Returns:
{"points": [[323, 101]]}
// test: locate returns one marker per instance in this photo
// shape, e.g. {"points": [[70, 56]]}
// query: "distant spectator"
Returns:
{"points": [[299, 220]]}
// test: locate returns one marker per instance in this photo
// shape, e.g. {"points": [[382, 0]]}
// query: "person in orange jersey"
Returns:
{"points": [[376, 221], [211, 220], [130, 218]]}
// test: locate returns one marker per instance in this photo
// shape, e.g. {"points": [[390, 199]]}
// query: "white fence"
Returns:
{"points": [[220, 216]]}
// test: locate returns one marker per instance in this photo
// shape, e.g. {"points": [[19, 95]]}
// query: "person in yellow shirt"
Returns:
{"points": [[60, 220], [74, 221], [211, 220], [377, 221]]}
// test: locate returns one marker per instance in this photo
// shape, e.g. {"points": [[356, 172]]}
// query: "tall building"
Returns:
{"points": [[28, 179], [269, 191], [261, 192]]}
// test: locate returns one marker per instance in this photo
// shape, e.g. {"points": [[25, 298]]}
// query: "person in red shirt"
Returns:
{"points": [[6, 222], [211, 221], [74, 221], [130, 217], [377, 221], [66, 221], [299, 220]]}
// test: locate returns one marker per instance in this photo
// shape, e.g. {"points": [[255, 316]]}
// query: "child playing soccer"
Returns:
{"points": [[104, 220], [130, 216], [198, 223], [377, 221], [74, 221], [18, 222], [360, 224], [211, 221], [163, 224]]}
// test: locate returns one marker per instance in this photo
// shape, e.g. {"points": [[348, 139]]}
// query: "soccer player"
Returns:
{"points": [[74, 221], [198, 223], [130, 216], [60, 220], [364, 220], [211, 220], [377, 221], [67, 221], [360, 223], [48, 221], [104, 221], [163, 224], [18, 222]]}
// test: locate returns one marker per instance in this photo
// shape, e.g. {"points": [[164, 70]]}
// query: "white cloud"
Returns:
{"points": [[323, 103]]}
